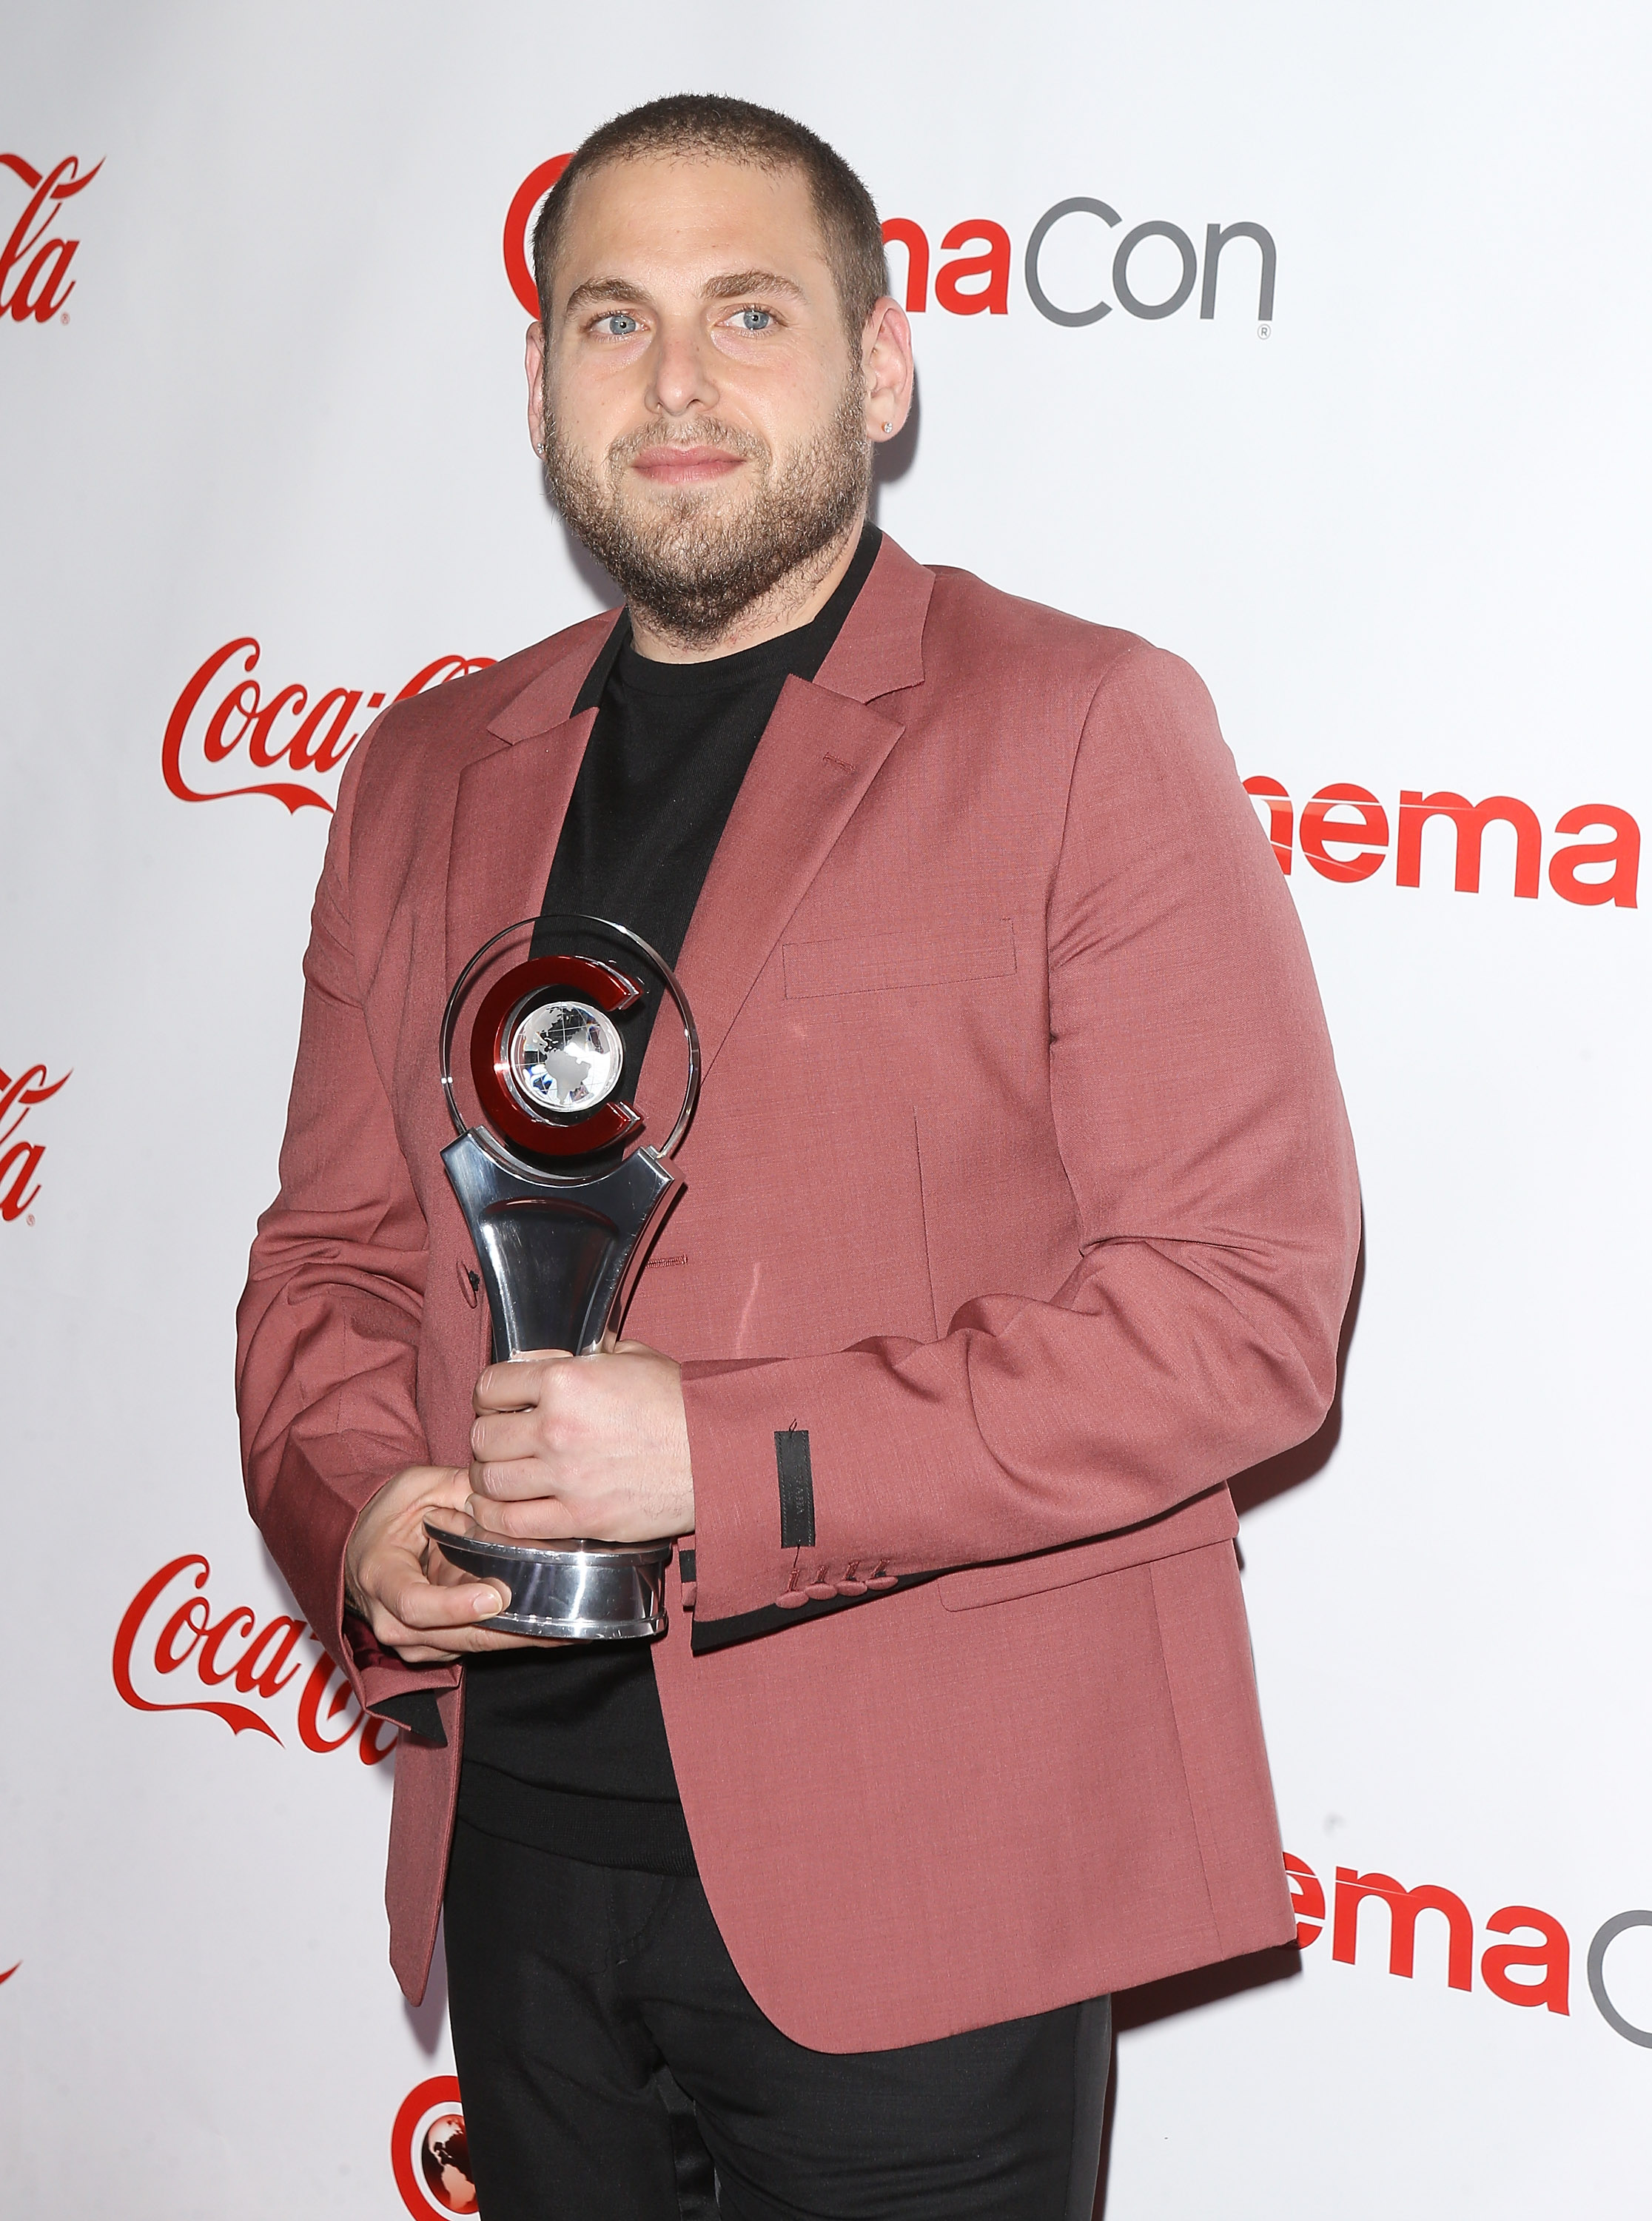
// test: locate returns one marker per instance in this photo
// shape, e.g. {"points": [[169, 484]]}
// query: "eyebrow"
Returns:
{"points": [[602, 289], [738, 282], [730, 285]]}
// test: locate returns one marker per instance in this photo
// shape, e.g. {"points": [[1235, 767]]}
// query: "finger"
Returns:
{"points": [[445, 1487], [513, 1481], [537, 1519], [426, 1606], [496, 1437], [513, 1386], [444, 1573], [415, 1650]]}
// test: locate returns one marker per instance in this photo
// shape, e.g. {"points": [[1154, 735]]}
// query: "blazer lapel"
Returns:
{"points": [[817, 757], [821, 751], [508, 811], [506, 822]]}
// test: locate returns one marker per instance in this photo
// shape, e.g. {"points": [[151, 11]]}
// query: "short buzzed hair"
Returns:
{"points": [[712, 126]]}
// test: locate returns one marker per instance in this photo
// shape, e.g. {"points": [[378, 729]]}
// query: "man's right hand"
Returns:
{"points": [[416, 1603]]}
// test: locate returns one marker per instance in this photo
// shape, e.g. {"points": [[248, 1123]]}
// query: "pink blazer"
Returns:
{"points": [[1021, 1179]]}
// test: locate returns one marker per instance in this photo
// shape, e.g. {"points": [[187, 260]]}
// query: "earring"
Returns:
{"points": [[890, 426]]}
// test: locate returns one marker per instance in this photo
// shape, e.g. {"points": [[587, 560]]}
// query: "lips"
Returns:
{"points": [[669, 465]]}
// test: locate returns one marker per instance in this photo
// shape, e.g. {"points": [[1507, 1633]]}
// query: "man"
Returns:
{"points": [[1019, 1215]]}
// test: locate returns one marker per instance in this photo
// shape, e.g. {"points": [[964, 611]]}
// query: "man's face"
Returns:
{"points": [[703, 417]]}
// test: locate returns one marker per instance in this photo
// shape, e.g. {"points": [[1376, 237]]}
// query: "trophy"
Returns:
{"points": [[558, 1192]]}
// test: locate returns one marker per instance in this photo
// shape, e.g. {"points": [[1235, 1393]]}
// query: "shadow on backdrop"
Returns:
{"points": [[1290, 1467], [1207, 1986]]}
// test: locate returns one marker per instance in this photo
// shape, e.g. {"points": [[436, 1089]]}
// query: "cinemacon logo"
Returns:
{"points": [[1346, 834], [1527, 1960], [1156, 268], [429, 2156], [175, 1651], [34, 280], [235, 732]]}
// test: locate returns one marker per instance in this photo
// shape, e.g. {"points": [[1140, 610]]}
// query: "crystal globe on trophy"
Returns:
{"points": [[560, 1191]]}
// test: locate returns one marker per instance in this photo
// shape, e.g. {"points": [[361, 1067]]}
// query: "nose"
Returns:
{"points": [[684, 379]]}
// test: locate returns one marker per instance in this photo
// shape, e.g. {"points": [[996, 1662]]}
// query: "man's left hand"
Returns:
{"points": [[595, 1446]]}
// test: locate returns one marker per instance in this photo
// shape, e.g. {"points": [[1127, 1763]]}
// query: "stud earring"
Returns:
{"points": [[890, 426]]}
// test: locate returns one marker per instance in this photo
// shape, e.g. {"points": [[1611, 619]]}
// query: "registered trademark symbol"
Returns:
{"points": [[29, 1221], [64, 318], [1262, 330]]}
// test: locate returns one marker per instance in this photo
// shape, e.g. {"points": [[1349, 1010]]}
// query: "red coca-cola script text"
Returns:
{"points": [[224, 713], [170, 1628]]}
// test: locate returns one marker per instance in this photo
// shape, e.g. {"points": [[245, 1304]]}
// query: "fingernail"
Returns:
{"points": [[488, 1602]]}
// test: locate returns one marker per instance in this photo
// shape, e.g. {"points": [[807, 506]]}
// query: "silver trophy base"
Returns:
{"points": [[583, 1592]]}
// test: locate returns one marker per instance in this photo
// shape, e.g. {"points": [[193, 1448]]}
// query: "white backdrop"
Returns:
{"points": [[273, 397]]}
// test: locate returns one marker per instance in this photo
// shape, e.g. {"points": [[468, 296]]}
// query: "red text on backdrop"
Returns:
{"points": [[223, 713], [978, 282], [1345, 835], [170, 1628], [19, 1160], [34, 280]]}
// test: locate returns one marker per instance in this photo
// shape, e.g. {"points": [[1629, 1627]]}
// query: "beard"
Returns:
{"points": [[690, 565]]}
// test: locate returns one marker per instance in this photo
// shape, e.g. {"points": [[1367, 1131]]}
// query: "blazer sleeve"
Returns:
{"points": [[1199, 1117], [328, 1330]]}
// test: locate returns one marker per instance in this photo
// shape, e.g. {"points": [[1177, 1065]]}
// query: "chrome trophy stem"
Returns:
{"points": [[556, 1254]]}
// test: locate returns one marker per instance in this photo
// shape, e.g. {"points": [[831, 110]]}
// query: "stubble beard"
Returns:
{"points": [[691, 566]]}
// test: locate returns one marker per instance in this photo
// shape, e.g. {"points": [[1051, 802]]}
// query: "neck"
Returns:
{"points": [[791, 602]]}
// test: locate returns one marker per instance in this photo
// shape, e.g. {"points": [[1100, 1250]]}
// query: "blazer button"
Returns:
{"points": [[822, 1590], [792, 1598], [884, 1581]]}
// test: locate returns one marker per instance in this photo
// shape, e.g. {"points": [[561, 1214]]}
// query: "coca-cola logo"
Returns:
{"points": [[429, 2156], [224, 724], [34, 280], [171, 1629], [19, 1160]]}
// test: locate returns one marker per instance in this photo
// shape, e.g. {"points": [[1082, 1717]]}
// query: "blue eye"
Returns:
{"points": [[617, 324], [755, 319]]}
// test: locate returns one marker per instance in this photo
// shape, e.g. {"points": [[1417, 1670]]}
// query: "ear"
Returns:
{"points": [[535, 367], [886, 363]]}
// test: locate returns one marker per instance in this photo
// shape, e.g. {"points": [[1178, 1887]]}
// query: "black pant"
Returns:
{"points": [[610, 2058]]}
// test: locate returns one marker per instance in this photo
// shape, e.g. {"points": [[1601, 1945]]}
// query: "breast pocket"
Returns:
{"points": [[865, 963]]}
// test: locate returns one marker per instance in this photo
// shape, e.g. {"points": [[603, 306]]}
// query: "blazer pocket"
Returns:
{"points": [[866, 962], [1209, 1518]]}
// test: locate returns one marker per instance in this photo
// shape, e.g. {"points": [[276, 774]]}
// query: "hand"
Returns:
{"points": [[591, 1447], [416, 1603]]}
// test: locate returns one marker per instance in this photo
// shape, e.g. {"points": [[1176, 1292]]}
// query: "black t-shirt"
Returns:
{"points": [[567, 1749]]}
